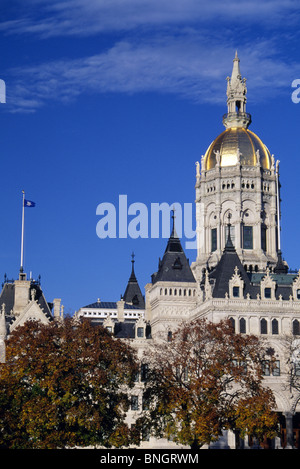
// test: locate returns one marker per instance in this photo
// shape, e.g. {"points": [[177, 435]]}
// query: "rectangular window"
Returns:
{"points": [[266, 368], [247, 237], [185, 376], [236, 292], [134, 403], [267, 292], [213, 239], [297, 369], [144, 371], [276, 368], [140, 332]]}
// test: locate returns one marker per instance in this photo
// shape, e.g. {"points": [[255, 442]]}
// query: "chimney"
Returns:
{"points": [[21, 295], [56, 308], [120, 307]]}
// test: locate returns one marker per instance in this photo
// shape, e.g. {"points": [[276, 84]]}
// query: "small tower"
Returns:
{"points": [[133, 294]]}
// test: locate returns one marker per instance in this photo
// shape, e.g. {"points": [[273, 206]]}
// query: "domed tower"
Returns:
{"points": [[237, 190]]}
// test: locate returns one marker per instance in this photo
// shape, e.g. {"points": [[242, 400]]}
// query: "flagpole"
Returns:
{"points": [[22, 236], [278, 207]]}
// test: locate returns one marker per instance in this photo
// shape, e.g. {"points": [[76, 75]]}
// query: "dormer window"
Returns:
{"points": [[177, 264], [236, 285], [267, 286], [140, 329], [135, 300]]}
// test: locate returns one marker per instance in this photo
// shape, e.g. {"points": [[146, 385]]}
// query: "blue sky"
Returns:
{"points": [[111, 97]]}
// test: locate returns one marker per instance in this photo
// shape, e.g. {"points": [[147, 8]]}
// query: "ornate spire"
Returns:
{"points": [[236, 98], [132, 276]]}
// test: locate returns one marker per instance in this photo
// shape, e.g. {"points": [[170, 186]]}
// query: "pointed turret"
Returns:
{"points": [[174, 266], [133, 294]]}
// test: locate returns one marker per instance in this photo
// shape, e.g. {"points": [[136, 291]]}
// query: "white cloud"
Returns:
{"points": [[81, 17], [189, 66], [184, 47]]}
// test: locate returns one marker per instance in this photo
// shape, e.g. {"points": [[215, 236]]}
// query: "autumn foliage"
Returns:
{"points": [[64, 385], [204, 380]]}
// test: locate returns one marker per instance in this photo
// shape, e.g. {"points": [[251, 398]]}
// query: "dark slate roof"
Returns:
{"points": [[284, 283], [174, 266], [133, 292], [7, 296], [224, 270], [123, 329], [109, 305]]}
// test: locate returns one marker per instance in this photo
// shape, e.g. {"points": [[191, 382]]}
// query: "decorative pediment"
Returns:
{"points": [[109, 323], [267, 286], [140, 328], [31, 312], [236, 285]]}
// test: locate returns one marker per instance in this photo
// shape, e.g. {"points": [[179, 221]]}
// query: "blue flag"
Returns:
{"points": [[29, 203]]}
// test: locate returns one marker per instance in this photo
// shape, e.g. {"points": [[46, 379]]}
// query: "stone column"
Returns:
{"points": [[289, 430]]}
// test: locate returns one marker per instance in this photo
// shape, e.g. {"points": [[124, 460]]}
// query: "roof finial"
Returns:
{"points": [[173, 233], [132, 276], [229, 245], [132, 262]]}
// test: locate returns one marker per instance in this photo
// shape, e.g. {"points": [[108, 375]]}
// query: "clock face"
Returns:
{"points": [[296, 351]]}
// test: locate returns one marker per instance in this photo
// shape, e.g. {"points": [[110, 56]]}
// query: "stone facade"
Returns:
{"points": [[22, 300]]}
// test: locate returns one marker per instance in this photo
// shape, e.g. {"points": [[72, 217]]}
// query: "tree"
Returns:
{"points": [[64, 385], [204, 380]]}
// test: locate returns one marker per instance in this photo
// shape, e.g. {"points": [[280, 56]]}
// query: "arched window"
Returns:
{"points": [[274, 326], [296, 327], [263, 326], [242, 326], [232, 323]]}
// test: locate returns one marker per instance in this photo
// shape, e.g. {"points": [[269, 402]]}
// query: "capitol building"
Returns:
{"points": [[239, 272]]}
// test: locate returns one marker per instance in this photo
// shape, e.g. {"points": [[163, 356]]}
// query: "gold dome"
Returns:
{"points": [[235, 139]]}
